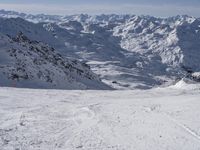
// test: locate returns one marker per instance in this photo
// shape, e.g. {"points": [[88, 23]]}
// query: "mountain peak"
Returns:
{"points": [[20, 37]]}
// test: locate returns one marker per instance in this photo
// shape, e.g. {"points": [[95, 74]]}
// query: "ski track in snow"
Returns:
{"points": [[99, 120], [186, 129]]}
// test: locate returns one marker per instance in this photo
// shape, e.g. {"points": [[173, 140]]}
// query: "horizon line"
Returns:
{"points": [[146, 10]]}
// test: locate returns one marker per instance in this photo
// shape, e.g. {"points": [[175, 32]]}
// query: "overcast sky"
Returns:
{"points": [[162, 8]]}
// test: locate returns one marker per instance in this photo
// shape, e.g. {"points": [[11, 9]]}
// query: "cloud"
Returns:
{"points": [[155, 10]]}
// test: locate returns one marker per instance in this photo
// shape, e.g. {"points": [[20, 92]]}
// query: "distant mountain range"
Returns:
{"points": [[125, 51]]}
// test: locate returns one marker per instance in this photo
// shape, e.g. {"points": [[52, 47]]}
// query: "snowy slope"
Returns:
{"points": [[126, 51], [158, 119], [32, 64]]}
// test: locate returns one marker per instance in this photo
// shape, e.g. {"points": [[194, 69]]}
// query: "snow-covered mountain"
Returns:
{"points": [[40, 54], [32, 64], [133, 51], [32, 18], [126, 51]]}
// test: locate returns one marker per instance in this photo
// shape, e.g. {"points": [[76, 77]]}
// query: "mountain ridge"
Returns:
{"points": [[32, 64], [126, 51]]}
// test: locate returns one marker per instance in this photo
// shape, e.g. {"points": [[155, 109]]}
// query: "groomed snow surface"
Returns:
{"points": [[156, 119]]}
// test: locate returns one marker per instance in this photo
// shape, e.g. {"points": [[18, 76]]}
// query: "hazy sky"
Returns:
{"points": [[161, 8]]}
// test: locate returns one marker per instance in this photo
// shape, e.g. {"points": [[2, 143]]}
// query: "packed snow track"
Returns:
{"points": [[157, 119]]}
